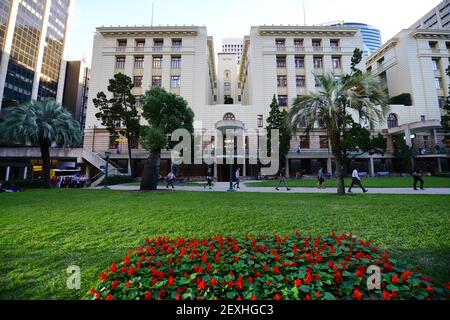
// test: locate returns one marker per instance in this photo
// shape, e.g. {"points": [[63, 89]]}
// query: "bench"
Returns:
{"points": [[383, 174]]}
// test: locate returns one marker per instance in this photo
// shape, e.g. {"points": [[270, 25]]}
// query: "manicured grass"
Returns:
{"points": [[401, 182], [45, 231]]}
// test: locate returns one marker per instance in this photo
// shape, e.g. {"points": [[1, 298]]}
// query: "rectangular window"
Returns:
{"points": [[298, 44], [139, 62], [280, 44], [239, 98], [157, 62], [435, 63], [437, 82], [158, 44], [156, 81], [318, 63], [260, 121], [120, 62], [283, 101], [301, 83], [304, 142], [441, 101], [317, 45], [281, 62], [334, 44], [177, 44], [282, 81], [140, 45], [336, 61], [299, 62], [175, 81], [137, 81], [176, 63], [324, 142], [121, 45]]}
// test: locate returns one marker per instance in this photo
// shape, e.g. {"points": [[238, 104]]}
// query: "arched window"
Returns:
{"points": [[227, 75], [229, 116], [392, 121]]}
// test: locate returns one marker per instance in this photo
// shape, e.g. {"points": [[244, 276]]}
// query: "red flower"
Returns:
{"points": [[298, 283], [309, 278], [131, 272], [308, 298], [276, 270], [357, 295], [388, 267], [395, 280], [318, 295], [250, 280], [113, 268], [338, 277], [98, 296], [104, 277], [115, 284], [406, 275], [126, 261], [360, 274], [213, 282], [253, 298], [240, 284], [278, 297], [230, 284], [148, 296], [430, 290], [109, 297], [128, 284], [387, 296], [178, 298], [171, 282]]}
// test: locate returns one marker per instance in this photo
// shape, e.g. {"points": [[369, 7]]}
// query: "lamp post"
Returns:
{"points": [[230, 150], [107, 156]]}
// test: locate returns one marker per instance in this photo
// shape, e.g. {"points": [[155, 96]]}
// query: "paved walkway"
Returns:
{"points": [[223, 187]]}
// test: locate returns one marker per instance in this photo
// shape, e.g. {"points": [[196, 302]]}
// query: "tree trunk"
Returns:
{"points": [[130, 158], [45, 155], [150, 177], [337, 153]]}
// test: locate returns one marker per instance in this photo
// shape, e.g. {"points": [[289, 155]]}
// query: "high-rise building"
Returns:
{"points": [[371, 35], [438, 18], [233, 45], [32, 41]]}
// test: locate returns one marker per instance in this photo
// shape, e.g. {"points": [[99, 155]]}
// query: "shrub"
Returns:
{"points": [[115, 180], [274, 268], [404, 99], [25, 184]]}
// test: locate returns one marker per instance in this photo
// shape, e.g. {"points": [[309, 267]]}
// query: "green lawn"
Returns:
{"points": [[43, 232], [403, 182]]}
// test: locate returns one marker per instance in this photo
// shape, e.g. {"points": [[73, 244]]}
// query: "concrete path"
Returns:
{"points": [[223, 187]]}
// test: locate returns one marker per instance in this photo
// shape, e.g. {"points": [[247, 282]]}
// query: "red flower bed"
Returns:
{"points": [[223, 268]]}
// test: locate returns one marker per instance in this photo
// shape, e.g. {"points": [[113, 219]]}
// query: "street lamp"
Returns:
{"points": [[230, 150], [107, 156]]}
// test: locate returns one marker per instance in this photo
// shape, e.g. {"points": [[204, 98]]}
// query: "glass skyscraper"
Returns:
{"points": [[371, 36], [32, 40]]}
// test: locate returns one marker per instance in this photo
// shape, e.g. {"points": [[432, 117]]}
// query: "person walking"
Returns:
{"points": [[356, 181], [170, 179], [418, 177], [281, 175], [209, 181], [237, 178], [321, 179]]}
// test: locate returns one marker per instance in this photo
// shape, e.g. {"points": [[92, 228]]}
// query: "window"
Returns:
{"points": [[441, 101], [120, 62], [176, 63], [282, 81], [137, 81], [318, 62], [433, 45], [392, 121], [300, 62], [423, 118], [260, 121], [121, 45], [280, 44], [435, 63], [304, 142], [317, 45], [157, 62], [298, 44], [324, 142], [140, 44], [139, 62], [158, 44], [437, 82], [227, 86], [239, 98], [334, 44], [175, 81], [336, 61], [426, 142], [380, 62], [283, 101], [281, 62], [177, 44], [300, 81], [156, 81], [229, 117], [138, 101]]}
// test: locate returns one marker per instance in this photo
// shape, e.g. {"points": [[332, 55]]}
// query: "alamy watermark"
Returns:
{"points": [[74, 278]]}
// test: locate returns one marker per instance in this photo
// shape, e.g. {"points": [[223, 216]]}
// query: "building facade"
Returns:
{"points": [[438, 18], [32, 41], [233, 45]]}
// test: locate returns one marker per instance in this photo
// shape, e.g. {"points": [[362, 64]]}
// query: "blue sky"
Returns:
{"points": [[233, 18]]}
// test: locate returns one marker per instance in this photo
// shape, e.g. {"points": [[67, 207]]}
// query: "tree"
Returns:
{"points": [[41, 123], [446, 116], [165, 113], [360, 92], [278, 119], [228, 100], [119, 114], [358, 141], [404, 155]]}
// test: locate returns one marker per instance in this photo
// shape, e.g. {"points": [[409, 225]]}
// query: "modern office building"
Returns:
{"points": [[414, 62], [438, 18], [233, 45], [76, 90], [371, 35], [32, 41]]}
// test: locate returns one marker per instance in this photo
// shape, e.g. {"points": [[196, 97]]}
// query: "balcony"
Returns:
{"points": [[299, 48], [121, 49], [317, 48], [148, 49], [336, 49]]}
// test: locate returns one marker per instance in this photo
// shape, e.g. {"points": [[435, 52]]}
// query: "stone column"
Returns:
{"points": [[439, 165], [372, 167], [408, 137], [330, 166], [288, 171]]}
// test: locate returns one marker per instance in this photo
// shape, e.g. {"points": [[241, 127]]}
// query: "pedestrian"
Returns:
{"points": [[237, 178], [209, 181], [418, 177], [170, 179], [321, 179], [356, 181], [281, 175]]}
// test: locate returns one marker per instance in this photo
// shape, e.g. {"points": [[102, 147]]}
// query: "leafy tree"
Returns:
{"points": [[229, 100], [41, 123], [446, 116], [278, 119], [403, 154], [119, 114], [330, 105], [165, 113], [356, 59]]}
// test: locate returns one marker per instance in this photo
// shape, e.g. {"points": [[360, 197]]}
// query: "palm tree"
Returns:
{"points": [[41, 123], [359, 93]]}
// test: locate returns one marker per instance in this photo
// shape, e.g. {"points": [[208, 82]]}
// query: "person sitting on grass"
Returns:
{"points": [[356, 181], [283, 180]]}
